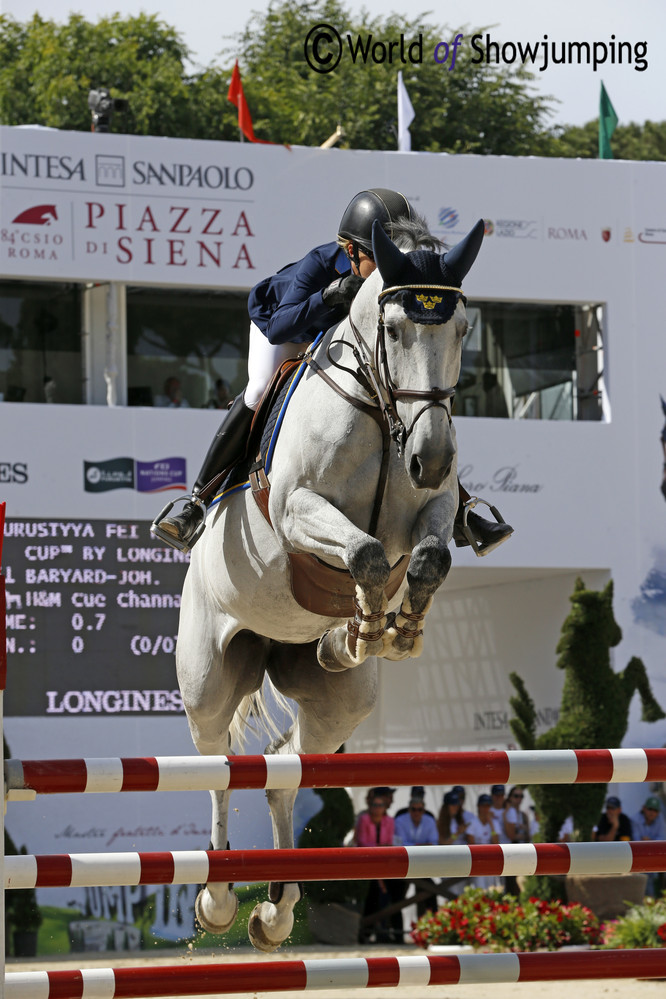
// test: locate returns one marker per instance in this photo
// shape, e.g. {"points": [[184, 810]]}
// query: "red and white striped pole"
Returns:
{"points": [[88, 870], [345, 973], [205, 773]]}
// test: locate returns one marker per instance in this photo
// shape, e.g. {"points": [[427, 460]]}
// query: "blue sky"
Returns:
{"points": [[208, 27]]}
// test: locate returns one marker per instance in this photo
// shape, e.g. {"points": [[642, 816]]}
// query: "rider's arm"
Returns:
{"points": [[302, 312]]}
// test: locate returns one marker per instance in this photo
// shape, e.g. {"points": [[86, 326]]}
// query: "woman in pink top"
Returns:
{"points": [[375, 828]]}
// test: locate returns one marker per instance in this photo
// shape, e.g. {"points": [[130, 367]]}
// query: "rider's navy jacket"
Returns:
{"points": [[288, 307]]}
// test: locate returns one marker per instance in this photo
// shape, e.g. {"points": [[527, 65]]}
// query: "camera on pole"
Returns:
{"points": [[102, 106]]}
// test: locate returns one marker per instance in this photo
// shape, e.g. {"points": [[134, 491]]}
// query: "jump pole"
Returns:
{"points": [[88, 870], [345, 973], [26, 778]]}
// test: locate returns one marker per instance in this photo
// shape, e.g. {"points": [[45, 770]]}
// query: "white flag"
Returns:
{"points": [[405, 116]]}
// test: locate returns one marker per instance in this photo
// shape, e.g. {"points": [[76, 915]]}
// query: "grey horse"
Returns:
{"points": [[360, 491]]}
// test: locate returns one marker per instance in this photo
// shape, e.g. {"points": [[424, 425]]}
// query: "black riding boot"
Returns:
{"points": [[483, 535], [184, 529]]}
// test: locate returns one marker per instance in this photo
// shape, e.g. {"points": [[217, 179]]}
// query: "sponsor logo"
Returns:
{"points": [[606, 235], [101, 476], [488, 227], [628, 235], [126, 473], [517, 228], [38, 215], [157, 476], [448, 218], [110, 171], [564, 232], [40, 166], [211, 176], [652, 236], [14, 472]]}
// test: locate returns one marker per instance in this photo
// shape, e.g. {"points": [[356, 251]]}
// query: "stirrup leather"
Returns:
{"points": [[182, 546], [478, 547]]}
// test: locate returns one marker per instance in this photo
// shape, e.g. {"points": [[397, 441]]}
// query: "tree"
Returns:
{"points": [[47, 70], [630, 142], [472, 109]]}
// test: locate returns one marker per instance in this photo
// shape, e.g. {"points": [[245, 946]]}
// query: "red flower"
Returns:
{"points": [[661, 931]]}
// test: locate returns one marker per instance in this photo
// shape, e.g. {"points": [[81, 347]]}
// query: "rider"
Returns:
{"points": [[287, 311]]}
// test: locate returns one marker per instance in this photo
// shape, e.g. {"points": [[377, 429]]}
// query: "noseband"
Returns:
{"points": [[374, 376]]}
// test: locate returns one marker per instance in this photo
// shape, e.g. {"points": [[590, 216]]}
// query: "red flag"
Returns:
{"points": [[237, 97]]}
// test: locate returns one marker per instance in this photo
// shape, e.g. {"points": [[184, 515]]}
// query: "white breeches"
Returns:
{"points": [[263, 360]]}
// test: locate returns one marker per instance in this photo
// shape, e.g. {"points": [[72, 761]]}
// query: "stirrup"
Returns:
{"points": [[182, 546], [478, 547]]}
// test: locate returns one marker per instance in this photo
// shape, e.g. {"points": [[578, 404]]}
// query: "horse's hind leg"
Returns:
{"points": [[330, 706], [214, 678]]}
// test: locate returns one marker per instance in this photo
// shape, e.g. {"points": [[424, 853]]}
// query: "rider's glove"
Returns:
{"points": [[342, 291]]}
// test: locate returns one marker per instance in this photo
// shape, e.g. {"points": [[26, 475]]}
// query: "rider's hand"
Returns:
{"points": [[342, 291]]}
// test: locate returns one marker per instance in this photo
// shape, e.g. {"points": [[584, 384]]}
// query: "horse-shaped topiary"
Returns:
{"points": [[594, 710]]}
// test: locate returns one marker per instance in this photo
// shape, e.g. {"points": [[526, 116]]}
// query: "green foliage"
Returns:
{"points": [[642, 926], [325, 829], [47, 70], [474, 109], [497, 922], [594, 709], [629, 142]]}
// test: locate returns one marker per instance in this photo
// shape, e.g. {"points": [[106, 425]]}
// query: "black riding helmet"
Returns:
{"points": [[378, 203]]}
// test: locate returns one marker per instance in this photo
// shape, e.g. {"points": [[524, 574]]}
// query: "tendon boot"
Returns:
{"points": [[471, 529], [183, 530]]}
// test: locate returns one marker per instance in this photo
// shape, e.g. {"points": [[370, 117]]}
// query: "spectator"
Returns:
{"points": [[649, 824], [417, 792], [483, 829], [375, 828], [173, 395], [221, 397], [613, 824], [416, 827], [565, 835], [516, 829], [460, 791], [498, 798], [451, 824]]}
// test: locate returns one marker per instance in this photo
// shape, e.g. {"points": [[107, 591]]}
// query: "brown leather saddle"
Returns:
{"points": [[316, 586]]}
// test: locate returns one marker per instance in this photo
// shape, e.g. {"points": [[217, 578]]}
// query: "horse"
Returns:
{"points": [[363, 478]]}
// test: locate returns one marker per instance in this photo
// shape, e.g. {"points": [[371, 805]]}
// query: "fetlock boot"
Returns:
{"points": [[183, 530], [471, 529]]}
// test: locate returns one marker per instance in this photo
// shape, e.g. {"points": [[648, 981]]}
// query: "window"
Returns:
{"points": [[533, 361], [40, 342], [197, 339]]}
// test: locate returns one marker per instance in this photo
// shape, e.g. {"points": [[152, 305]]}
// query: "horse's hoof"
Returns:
{"points": [[326, 655], [257, 927], [205, 923]]}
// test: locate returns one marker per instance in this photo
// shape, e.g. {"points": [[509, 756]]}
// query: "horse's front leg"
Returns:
{"points": [[428, 568], [312, 524]]}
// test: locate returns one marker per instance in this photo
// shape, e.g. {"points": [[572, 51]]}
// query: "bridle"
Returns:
{"points": [[374, 376]]}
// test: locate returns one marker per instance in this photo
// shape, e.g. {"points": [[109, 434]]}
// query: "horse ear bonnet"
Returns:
{"points": [[422, 268]]}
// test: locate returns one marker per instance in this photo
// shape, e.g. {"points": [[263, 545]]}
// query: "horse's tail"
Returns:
{"points": [[257, 712]]}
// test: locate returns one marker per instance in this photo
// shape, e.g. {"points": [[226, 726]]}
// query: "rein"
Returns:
{"points": [[374, 377]]}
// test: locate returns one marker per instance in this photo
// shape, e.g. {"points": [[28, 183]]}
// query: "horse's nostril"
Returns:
{"points": [[416, 468]]}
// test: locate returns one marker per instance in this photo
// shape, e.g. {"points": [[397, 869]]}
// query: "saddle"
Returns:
{"points": [[317, 587]]}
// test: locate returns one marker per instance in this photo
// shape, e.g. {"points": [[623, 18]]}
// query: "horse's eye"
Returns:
{"points": [[392, 333]]}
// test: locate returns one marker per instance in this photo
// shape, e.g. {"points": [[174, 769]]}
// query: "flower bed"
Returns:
{"points": [[491, 921], [643, 926]]}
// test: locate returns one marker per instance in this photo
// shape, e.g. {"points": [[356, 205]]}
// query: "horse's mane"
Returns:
{"points": [[413, 234]]}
